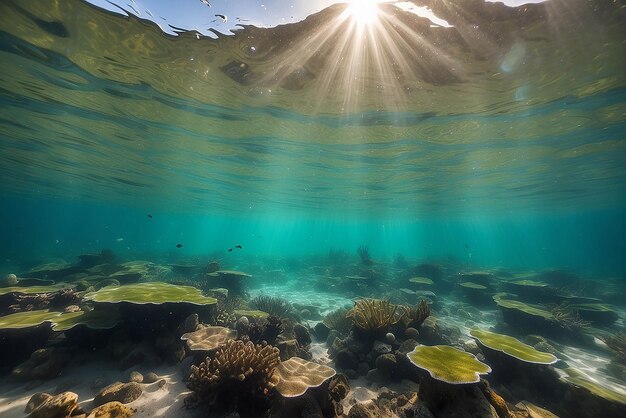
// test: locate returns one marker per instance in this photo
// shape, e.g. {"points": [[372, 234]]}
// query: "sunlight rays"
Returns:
{"points": [[367, 56]]}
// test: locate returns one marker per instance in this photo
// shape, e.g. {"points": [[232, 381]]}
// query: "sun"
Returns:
{"points": [[363, 12]]}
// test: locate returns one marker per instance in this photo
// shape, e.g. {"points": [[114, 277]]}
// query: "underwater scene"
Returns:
{"points": [[312, 208]]}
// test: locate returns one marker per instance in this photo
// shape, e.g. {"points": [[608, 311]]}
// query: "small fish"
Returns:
{"points": [[230, 249], [150, 215], [179, 245], [223, 17], [119, 239], [206, 2], [238, 246]]}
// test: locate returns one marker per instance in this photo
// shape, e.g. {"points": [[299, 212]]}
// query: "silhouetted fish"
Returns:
{"points": [[179, 245], [238, 246], [150, 215], [230, 249]]}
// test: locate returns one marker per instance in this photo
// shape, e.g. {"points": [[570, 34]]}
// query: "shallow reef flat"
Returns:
{"points": [[328, 337]]}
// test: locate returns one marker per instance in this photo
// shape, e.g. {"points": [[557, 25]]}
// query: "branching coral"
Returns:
{"points": [[272, 305], [617, 344], [566, 318], [338, 321], [416, 315], [237, 370], [373, 315]]}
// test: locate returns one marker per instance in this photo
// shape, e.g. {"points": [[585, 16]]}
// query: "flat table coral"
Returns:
{"points": [[150, 293], [448, 364], [512, 347], [208, 338], [297, 375]]}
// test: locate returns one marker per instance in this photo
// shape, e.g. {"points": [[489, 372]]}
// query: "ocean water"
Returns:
{"points": [[494, 144]]}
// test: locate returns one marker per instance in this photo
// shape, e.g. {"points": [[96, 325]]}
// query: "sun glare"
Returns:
{"points": [[363, 12]]}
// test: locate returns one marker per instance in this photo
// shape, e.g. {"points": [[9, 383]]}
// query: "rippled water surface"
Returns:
{"points": [[507, 109]]}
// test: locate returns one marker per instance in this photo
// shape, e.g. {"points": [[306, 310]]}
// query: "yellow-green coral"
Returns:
{"points": [[60, 321], [472, 285], [512, 347], [27, 319], [150, 293], [522, 307], [373, 314], [421, 280], [448, 364]]}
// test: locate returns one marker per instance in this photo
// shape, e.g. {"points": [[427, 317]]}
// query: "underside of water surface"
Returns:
{"points": [[365, 209]]}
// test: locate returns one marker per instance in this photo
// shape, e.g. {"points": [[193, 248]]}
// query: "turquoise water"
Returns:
{"points": [[517, 163], [489, 149]]}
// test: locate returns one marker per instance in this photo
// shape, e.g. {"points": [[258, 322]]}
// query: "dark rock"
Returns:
{"points": [[387, 365], [463, 401], [321, 331], [132, 359], [407, 346], [332, 335], [150, 377], [411, 333], [380, 348], [346, 359], [136, 377], [363, 368], [191, 323], [303, 336], [351, 374], [357, 346], [366, 410], [288, 349], [118, 391], [338, 387]]}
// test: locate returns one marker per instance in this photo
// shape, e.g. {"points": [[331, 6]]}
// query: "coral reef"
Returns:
{"points": [[272, 305], [237, 373], [296, 375], [512, 347], [339, 321], [207, 338], [150, 293], [373, 315], [567, 318], [416, 315], [448, 364]]}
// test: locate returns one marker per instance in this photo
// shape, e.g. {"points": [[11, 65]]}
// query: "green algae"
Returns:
{"points": [[472, 285], [96, 319], [31, 290], [150, 293], [421, 280], [512, 347], [448, 364], [27, 319], [522, 307]]}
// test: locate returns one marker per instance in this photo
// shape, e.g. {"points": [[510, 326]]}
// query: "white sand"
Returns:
{"points": [[154, 401]]}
